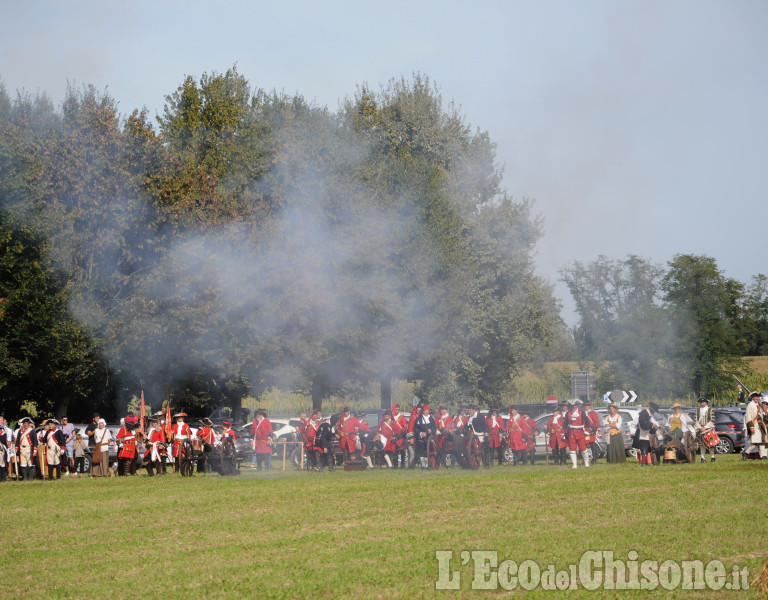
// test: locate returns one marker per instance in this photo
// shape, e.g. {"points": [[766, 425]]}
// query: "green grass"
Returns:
{"points": [[370, 534]]}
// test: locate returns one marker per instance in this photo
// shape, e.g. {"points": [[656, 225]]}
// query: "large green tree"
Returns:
{"points": [[704, 306]]}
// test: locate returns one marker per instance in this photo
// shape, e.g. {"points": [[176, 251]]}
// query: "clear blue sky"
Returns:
{"points": [[638, 127]]}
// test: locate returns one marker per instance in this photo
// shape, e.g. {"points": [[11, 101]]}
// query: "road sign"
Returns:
{"points": [[623, 397]]}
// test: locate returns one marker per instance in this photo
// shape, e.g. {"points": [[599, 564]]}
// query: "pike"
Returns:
{"points": [[741, 384]]}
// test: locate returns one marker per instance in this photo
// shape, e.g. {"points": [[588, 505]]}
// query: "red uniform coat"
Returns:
{"points": [[444, 428], [459, 422], [516, 426], [401, 422], [309, 436], [129, 443], [576, 421], [347, 429], [593, 425], [555, 430], [206, 434], [495, 427], [388, 430], [531, 443], [262, 435], [180, 432], [155, 436]]}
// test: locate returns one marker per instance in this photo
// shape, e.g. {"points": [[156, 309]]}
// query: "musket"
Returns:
{"points": [[742, 385], [41, 458]]}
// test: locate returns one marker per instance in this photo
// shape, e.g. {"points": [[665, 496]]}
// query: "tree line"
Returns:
{"points": [[244, 240], [675, 331]]}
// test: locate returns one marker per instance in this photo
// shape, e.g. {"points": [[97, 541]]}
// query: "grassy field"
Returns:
{"points": [[370, 534]]}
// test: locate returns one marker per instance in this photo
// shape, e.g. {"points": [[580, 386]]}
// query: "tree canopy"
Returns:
{"points": [[250, 239]]}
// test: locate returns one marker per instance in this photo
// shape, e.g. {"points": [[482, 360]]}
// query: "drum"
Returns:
{"points": [[710, 438]]}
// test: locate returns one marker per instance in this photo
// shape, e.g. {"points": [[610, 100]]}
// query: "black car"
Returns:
{"points": [[729, 426]]}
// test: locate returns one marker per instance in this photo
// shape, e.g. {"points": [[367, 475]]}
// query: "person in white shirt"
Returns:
{"points": [[705, 421]]}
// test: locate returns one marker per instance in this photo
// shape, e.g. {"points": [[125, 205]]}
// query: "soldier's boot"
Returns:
{"points": [[585, 455], [126, 470], [500, 455], [574, 460], [532, 457], [150, 470], [387, 460], [368, 460]]}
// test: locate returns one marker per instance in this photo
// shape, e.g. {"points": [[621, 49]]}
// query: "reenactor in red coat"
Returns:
{"points": [[346, 430], [444, 423], [555, 431], [263, 438], [154, 456], [127, 454], [576, 422], [495, 435], [179, 432], [206, 434], [387, 431], [460, 421], [518, 432], [401, 422], [309, 438], [529, 453], [590, 432]]}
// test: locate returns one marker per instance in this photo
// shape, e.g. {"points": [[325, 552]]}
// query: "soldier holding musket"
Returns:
{"points": [[557, 441]]}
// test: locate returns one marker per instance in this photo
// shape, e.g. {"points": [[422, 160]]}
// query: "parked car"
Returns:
{"points": [[627, 428], [729, 426], [284, 429]]}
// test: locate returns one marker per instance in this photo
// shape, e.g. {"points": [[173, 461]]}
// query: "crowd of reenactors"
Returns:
{"points": [[56, 450], [401, 440]]}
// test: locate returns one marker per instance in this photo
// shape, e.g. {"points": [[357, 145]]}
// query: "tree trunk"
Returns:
{"points": [[386, 392], [237, 405], [62, 406], [318, 393]]}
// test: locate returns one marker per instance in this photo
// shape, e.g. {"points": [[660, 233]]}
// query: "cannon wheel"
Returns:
{"points": [[474, 452], [690, 450], [433, 453], [228, 456], [186, 464]]}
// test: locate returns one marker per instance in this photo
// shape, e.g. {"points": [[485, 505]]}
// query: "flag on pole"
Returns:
{"points": [[168, 422], [143, 414]]}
